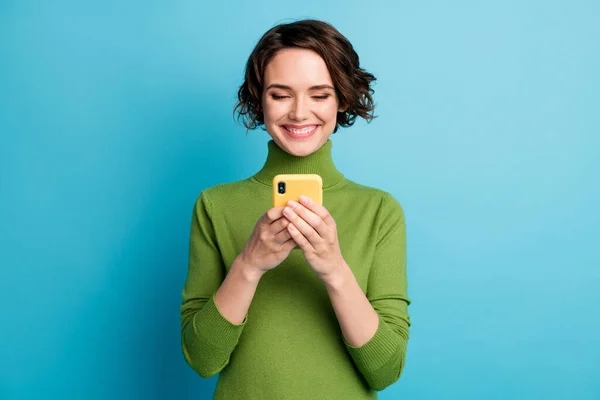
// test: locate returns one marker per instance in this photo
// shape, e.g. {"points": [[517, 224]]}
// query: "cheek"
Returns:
{"points": [[274, 110], [327, 112]]}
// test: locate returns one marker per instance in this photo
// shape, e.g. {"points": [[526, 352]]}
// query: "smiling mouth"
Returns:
{"points": [[306, 130]]}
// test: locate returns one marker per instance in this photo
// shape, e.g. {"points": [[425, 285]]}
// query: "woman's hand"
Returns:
{"points": [[312, 227], [269, 244]]}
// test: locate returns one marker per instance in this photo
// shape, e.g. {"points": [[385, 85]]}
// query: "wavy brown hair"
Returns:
{"points": [[352, 83]]}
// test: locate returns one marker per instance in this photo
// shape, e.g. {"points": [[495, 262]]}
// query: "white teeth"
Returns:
{"points": [[301, 131]]}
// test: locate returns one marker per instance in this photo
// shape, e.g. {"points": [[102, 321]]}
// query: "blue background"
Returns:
{"points": [[114, 116]]}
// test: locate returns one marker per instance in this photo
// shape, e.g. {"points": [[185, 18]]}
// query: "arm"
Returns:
{"points": [[214, 306], [375, 326]]}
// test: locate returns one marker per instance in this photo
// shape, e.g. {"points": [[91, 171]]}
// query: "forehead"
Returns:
{"points": [[298, 68]]}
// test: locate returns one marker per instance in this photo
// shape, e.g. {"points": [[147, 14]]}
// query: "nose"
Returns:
{"points": [[299, 111]]}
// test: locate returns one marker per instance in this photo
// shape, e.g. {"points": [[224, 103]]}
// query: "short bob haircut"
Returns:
{"points": [[352, 84]]}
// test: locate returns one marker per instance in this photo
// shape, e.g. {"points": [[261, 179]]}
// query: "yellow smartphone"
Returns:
{"points": [[291, 186]]}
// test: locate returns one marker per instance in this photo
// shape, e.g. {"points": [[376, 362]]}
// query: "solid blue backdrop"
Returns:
{"points": [[115, 115]]}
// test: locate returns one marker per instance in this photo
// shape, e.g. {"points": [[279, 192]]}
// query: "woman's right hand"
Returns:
{"points": [[269, 244]]}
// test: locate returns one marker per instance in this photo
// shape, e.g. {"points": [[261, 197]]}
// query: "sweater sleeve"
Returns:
{"points": [[381, 359], [207, 337]]}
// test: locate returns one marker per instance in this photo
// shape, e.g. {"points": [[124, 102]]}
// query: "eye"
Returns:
{"points": [[278, 97], [323, 97]]}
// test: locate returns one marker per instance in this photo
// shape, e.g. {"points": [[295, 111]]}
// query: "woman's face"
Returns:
{"points": [[299, 102]]}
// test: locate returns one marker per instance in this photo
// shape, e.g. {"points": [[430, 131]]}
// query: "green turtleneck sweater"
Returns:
{"points": [[290, 345]]}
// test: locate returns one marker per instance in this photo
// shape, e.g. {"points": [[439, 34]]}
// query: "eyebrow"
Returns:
{"points": [[315, 87]]}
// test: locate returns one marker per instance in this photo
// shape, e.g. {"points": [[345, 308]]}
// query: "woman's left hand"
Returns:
{"points": [[312, 227]]}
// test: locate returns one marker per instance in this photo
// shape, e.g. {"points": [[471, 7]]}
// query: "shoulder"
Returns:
{"points": [[221, 192], [388, 203], [225, 189]]}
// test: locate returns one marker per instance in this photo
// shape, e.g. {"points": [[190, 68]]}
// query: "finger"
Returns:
{"points": [[290, 244], [282, 236], [299, 238], [279, 225], [310, 217], [273, 215], [318, 209], [302, 226]]}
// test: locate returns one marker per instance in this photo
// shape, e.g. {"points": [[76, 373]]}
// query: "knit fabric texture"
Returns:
{"points": [[290, 345]]}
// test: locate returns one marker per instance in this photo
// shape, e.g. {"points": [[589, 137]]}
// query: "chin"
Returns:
{"points": [[299, 147]]}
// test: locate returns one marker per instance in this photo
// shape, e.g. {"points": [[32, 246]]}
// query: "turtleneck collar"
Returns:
{"points": [[281, 162]]}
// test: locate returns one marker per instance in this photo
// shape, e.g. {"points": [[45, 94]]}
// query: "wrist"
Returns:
{"points": [[337, 277], [249, 273]]}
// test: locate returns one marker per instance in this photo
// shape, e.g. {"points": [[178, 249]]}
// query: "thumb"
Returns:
{"points": [[289, 245]]}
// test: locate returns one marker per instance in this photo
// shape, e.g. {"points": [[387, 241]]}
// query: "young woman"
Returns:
{"points": [[303, 301]]}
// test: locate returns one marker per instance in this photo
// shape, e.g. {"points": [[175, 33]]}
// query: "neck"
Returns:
{"points": [[281, 162]]}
